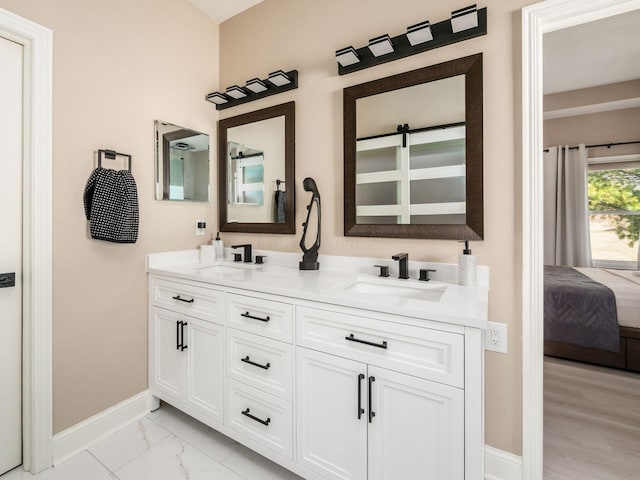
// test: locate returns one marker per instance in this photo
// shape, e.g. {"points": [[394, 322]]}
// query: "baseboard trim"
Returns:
{"points": [[501, 465], [75, 439]]}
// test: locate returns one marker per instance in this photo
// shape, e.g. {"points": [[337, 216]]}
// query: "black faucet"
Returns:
{"points": [[403, 258], [248, 257]]}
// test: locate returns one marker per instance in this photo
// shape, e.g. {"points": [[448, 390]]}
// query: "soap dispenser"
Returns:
{"points": [[219, 244], [466, 267]]}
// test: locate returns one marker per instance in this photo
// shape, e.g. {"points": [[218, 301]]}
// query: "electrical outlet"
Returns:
{"points": [[495, 337], [201, 228]]}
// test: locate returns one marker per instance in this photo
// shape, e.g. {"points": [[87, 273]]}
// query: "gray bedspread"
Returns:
{"points": [[579, 310]]}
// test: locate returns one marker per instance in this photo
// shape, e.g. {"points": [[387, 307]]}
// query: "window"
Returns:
{"points": [[614, 214]]}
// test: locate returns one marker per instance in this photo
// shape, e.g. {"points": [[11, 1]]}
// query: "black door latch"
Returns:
{"points": [[7, 280]]}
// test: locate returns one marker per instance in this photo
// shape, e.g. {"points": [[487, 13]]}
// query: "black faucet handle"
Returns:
{"points": [[260, 259], [424, 274], [384, 270], [247, 252], [237, 257]]}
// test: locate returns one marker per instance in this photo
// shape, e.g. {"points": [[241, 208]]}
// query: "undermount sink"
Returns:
{"points": [[388, 287], [223, 269]]}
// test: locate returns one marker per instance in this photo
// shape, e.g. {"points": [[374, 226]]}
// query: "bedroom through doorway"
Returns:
{"points": [[591, 184]]}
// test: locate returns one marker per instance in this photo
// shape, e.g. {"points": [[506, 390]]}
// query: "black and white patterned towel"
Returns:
{"points": [[111, 205]]}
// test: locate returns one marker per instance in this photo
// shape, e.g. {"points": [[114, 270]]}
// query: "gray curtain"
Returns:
{"points": [[566, 208]]}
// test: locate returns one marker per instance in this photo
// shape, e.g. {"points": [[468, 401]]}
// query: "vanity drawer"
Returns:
{"points": [[260, 362], [188, 299], [263, 317], [263, 418], [422, 352]]}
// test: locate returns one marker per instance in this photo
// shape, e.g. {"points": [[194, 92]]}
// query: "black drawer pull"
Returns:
{"points": [[246, 360], [259, 420], [180, 299], [247, 315], [351, 338]]}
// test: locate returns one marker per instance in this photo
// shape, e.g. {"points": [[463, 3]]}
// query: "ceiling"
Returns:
{"points": [[592, 54], [221, 10]]}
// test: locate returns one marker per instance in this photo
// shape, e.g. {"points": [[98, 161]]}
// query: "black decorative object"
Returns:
{"points": [[310, 255], [255, 89], [351, 60]]}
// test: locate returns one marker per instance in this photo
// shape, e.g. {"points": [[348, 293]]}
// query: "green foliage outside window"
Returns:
{"points": [[617, 190]]}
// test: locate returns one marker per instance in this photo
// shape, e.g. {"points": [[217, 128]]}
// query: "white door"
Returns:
{"points": [[417, 430], [332, 440], [205, 350], [168, 362], [10, 254]]}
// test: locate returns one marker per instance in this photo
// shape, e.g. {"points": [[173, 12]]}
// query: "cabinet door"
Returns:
{"points": [[332, 440], [204, 346], [167, 360], [417, 430]]}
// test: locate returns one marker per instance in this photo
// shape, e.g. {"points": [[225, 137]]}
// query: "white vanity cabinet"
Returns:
{"points": [[361, 419], [327, 390], [187, 353]]}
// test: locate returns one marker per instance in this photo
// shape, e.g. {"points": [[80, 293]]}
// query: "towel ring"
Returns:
{"points": [[111, 155]]}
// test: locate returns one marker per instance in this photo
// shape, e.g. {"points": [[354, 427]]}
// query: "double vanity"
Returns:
{"points": [[334, 374]]}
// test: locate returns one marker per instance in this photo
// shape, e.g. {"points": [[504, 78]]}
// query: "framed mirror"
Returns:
{"points": [[413, 154], [182, 163], [256, 163]]}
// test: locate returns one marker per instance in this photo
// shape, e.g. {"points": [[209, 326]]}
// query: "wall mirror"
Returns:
{"points": [[256, 163], [413, 154], [182, 163]]}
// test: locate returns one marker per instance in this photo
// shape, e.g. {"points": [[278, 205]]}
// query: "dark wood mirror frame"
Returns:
{"points": [[471, 68], [288, 110]]}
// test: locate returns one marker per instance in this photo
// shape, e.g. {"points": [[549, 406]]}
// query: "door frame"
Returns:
{"points": [[37, 411], [538, 19]]}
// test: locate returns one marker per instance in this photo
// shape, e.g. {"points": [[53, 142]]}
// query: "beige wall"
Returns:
{"points": [[304, 34], [110, 84], [595, 128]]}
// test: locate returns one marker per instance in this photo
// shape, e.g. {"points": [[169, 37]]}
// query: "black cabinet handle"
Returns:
{"points": [[178, 329], [259, 420], [247, 315], [180, 299], [352, 338], [246, 360], [183, 347], [360, 409], [371, 412]]}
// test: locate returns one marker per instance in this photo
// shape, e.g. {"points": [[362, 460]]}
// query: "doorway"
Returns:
{"points": [[35, 226], [538, 19], [11, 86]]}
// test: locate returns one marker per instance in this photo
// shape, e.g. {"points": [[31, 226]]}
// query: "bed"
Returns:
{"points": [[593, 315]]}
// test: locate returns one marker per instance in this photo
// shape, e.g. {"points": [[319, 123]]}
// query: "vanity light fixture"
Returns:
{"points": [[255, 88], [464, 24], [217, 98], [381, 45], [419, 33], [279, 78], [256, 85], [347, 56], [236, 92], [464, 19]]}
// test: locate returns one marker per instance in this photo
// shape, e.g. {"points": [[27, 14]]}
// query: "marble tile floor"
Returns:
{"points": [[164, 445]]}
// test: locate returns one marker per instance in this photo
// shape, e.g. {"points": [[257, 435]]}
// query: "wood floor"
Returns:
{"points": [[591, 422]]}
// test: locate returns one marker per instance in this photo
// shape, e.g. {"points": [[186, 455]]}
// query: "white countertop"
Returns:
{"points": [[334, 283]]}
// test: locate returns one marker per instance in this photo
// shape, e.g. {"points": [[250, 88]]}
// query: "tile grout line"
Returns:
{"points": [[205, 453], [140, 454], [113, 474]]}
